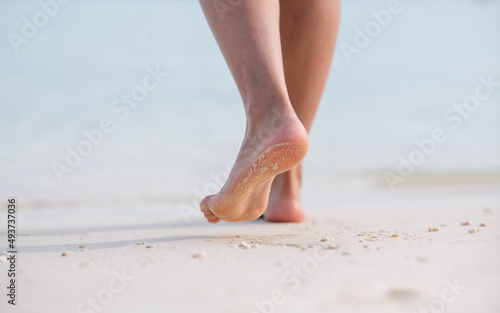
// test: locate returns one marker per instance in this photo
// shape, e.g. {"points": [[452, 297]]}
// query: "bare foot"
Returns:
{"points": [[245, 194], [284, 200]]}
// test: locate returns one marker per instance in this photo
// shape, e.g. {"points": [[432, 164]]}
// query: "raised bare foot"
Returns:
{"points": [[245, 194], [284, 200]]}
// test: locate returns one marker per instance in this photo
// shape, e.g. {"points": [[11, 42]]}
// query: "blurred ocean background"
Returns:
{"points": [[395, 91]]}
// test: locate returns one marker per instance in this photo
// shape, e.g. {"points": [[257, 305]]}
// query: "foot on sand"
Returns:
{"points": [[284, 200], [245, 194]]}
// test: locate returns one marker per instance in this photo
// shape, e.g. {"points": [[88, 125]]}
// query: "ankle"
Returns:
{"points": [[269, 110]]}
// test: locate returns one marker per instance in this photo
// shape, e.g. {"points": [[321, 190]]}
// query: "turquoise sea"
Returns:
{"points": [[175, 142]]}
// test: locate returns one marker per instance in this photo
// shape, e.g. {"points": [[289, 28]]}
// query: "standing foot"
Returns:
{"points": [[245, 194], [284, 200]]}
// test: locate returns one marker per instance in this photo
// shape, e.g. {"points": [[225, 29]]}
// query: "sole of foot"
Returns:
{"points": [[245, 194]]}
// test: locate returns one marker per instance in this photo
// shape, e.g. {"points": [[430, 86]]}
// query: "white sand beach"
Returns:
{"points": [[351, 259]]}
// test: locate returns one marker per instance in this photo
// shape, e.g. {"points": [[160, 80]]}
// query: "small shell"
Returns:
{"points": [[82, 247], [472, 231], [243, 245], [303, 248], [434, 229], [483, 224], [332, 247], [254, 246], [466, 223], [394, 235], [66, 254], [151, 246], [200, 255], [141, 243], [324, 239]]}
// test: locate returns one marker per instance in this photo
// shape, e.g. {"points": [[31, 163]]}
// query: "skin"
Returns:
{"points": [[307, 61], [279, 53]]}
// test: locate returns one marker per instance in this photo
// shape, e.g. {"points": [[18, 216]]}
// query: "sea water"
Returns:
{"points": [[178, 142]]}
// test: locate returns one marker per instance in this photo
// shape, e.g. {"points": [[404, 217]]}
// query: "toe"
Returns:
{"points": [[204, 205], [211, 218]]}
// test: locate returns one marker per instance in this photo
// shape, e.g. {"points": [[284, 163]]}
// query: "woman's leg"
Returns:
{"points": [[308, 34], [275, 139]]}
